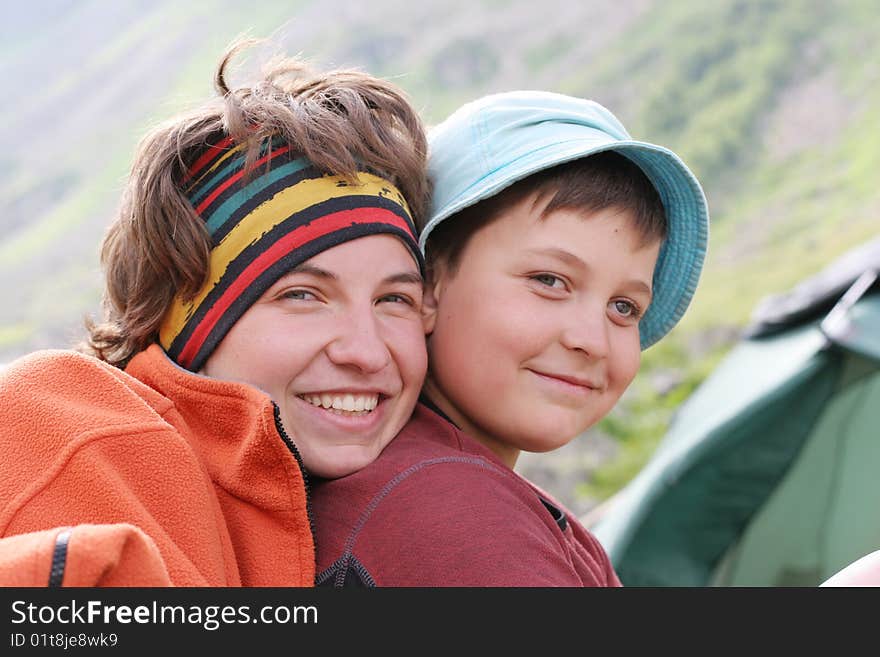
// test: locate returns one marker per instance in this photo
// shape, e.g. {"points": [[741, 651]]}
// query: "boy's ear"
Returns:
{"points": [[431, 297]]}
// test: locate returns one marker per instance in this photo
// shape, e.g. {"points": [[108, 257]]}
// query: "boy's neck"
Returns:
{"points": [[502, 450]]}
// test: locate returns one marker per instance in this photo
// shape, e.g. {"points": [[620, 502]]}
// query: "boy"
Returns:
{"points": [[557, 248], [263, 296]]}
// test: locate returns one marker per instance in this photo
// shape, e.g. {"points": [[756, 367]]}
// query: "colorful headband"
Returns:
{"points": [[264, 224]]}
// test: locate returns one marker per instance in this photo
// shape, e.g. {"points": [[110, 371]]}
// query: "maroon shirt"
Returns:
{"points": [[437, 508]]}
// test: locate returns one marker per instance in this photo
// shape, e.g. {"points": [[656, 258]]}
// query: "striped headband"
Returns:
{"points": [[264, 224]]}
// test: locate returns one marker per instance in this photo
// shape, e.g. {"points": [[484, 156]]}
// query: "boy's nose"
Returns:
{"points": [[358, 343], [588, 333]]}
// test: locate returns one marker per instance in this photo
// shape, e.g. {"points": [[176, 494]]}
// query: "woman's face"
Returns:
{"points": [[339, 344]]}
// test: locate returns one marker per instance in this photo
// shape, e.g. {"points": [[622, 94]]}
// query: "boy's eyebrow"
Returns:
{"points": [[561, 254], [571, 259], [642, 286], [402, 277]]}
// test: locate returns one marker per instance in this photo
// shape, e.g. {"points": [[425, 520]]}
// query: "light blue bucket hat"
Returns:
{"points": [[491, 143]]}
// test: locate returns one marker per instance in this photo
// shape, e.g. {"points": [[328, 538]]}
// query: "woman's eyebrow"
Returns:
{"points": [[405, 277], [306, 268], [401, 277]]}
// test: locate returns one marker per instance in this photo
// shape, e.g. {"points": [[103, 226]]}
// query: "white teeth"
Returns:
{"points": [[348, 402]]}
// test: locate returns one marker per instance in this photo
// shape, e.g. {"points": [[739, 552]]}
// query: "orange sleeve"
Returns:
{"points": [[86, 445], [84, 555]]}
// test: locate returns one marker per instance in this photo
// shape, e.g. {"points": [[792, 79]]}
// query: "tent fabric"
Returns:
{"points": [[857, 329], [815, 296], [770, 471], [821, 516]]}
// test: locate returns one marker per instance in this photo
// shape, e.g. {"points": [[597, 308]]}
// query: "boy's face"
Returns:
{"points": [[535, 334], [339, 345]]}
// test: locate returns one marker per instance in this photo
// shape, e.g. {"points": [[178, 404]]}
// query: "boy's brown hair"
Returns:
{"points": [[589, 184], [342, 121]]}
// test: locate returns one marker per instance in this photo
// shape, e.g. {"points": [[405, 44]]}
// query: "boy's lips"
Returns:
{"points": [[572, 380]]}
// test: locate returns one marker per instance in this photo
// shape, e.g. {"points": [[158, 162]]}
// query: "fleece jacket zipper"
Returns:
{"points": [[302, 468]]}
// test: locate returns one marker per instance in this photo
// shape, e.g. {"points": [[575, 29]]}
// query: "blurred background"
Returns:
{"points": [[775, 105]]}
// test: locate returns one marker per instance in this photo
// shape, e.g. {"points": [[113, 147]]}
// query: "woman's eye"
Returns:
{"points": [[549, 280], [396, 298], [298, 295]]}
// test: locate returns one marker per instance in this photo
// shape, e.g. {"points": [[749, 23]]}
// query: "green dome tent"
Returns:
{"points": [[769, 474]]}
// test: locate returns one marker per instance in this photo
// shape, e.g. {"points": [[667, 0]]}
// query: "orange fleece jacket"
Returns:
{"points": [[166, 478]]}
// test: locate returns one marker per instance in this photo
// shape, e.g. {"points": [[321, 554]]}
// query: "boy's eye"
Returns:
{"points": [[549, 280], [625, 308]]}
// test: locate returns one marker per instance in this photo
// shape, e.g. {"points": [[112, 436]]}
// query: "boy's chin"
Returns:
{"points": [[545, 437]]}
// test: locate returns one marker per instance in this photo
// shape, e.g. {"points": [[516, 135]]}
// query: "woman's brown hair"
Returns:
{"points": [[157, 247]]}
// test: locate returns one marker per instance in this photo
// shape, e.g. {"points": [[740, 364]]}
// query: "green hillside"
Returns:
{"points": [[775, 105]]}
